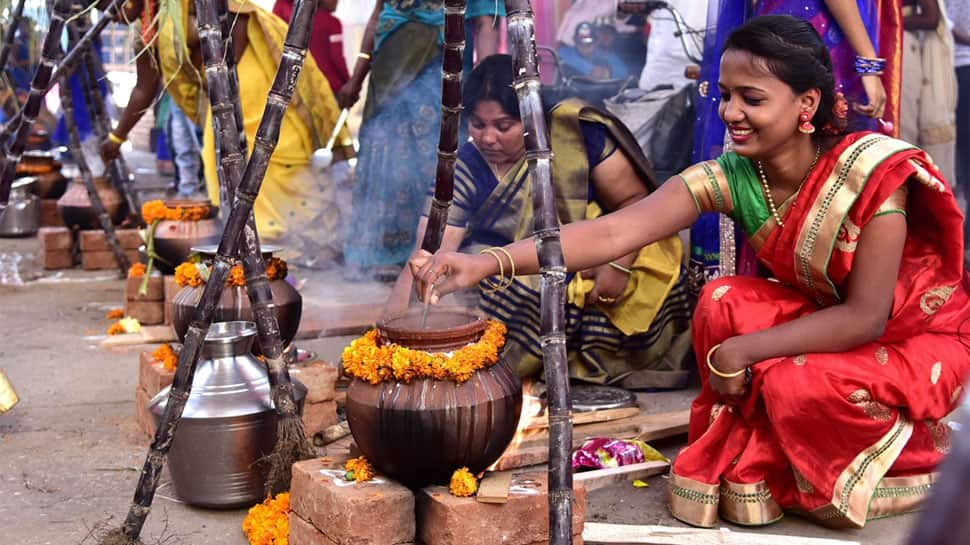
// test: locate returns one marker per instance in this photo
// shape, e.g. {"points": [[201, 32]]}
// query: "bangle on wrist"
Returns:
{"points": [[718, 372], [364, 56], [869, 66], [115, 138], [620, 268]]}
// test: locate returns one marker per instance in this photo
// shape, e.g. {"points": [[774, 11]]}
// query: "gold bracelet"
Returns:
{"points": [[493, 287], [115, 138], [619, 267], [511, 264], [715, 370], [362, 55]]}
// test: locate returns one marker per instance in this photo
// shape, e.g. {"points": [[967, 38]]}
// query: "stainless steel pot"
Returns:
{"points": [[228, 425], [22, 215]]}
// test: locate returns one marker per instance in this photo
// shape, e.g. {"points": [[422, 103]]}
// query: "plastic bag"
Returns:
{"points": [[602, 452]]}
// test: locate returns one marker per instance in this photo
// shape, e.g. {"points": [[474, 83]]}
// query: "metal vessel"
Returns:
{"points": [[22, 215], [228, 425]]}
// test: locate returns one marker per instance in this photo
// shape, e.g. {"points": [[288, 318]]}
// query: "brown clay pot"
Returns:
{"points": [[421, 432], [35, 163], [174, 240], [50, 185], [76, 209]]}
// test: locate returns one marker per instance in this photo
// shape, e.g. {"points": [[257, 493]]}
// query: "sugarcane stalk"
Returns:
{"points": [[67, 64], [444, 183], [12, 26], [74, 142], [521, 30], [38, 88]]}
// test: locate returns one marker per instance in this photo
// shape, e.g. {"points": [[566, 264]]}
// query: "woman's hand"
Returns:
{"points": [[349, 93], [608, 285], [877, 97], [110, 150], [446, 272], [729, 358]]}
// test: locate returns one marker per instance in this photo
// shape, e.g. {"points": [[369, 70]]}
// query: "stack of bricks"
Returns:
{"points": [[96, 254], [320, 405], [50, 216], [169, 288], [55, 247], [325, 509], [148, 309], [152, 377]]}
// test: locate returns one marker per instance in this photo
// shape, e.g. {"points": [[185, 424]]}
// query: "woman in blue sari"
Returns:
{"points": [[861, 28], [401, 50]]}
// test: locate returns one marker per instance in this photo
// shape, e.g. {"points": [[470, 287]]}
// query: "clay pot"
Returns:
{"points": [[75, 206], [174, 240], [50, 185], [234, 306], [420, 433], [34, 163]]}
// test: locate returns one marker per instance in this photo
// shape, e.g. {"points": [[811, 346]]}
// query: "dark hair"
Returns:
{"points": [[795, 54], [491, 80]]}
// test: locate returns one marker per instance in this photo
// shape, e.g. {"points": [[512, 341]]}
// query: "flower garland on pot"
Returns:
{"points": [[153, 213], [371, 361], [195, 273]]}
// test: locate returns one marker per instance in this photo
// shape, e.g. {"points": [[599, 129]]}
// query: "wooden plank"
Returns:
{"points": [[158, 334], [523, 457], [589, 417], [633, 534], [494, 488], [601, 478], [663, 425]]}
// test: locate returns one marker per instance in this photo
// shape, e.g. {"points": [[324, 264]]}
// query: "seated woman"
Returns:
{"points": [[294, 207], [824, 387], [627, 320]]}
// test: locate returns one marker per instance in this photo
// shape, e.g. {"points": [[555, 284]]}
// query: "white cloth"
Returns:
{"points": [[666, 58], [959, 14]]}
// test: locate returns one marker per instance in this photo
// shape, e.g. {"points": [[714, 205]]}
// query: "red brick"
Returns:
{"points": [[156, 288], [50, 216], [170, 288], [444, 519], [146, 312], [320, 379], [55, 238], [105, 259], [152, 376], [304, 533], [318, 416], [97, 240], [143, 417], [376, 512], [58, 259]]}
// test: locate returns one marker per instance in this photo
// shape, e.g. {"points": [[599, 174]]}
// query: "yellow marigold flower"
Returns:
{"points": [[116, 329], [463, 483], [167, 356], [267, 523], [136, 270], [236, 276], [114, 314], [359, 469], [187, 274], [153, 211]]}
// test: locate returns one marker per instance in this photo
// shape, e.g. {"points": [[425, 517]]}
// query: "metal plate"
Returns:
{"points": [[593, 397]]}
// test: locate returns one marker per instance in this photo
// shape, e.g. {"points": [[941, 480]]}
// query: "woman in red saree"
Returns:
{"points": [[824, 383]]}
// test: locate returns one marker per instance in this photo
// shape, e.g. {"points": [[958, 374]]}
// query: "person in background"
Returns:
{"points": [[584, 58], [182, 137], [929, 95], [482, 29], [326, 40], [629, 46], [959, 12], [666, 58]]}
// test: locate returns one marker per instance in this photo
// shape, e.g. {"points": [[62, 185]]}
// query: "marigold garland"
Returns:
{"points": [[463, 483], [367, 359], [114, 314], [268, 523], [153, 211], [167, 356], [358, 470], [137, 270], [188, 273]]}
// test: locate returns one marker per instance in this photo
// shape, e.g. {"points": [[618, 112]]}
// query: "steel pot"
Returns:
{"points": [[22, 215], [228, 425]]}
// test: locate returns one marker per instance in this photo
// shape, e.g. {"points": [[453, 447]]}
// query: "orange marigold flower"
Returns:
{"points": [[236, 276], [167, 356], [276, 269], [359, 470], [463, 483], [114, 314], [187, 274], [154, 211], [136, 270], [116, 329], [267, 523]]}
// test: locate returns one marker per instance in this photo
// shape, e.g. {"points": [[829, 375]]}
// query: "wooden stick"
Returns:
{"points": [[589, 417], [601, 478], [13, 24], [633, 534], [494, 488]]}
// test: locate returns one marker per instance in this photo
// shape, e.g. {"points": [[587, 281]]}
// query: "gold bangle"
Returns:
{"points": [[362, 55], [619, 267], [511, 264], [115, 138], [715, 370], [492, 286]]}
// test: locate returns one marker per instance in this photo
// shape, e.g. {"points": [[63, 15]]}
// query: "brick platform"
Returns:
{"points": [[152, 377], [55, 246], [50, 216]]}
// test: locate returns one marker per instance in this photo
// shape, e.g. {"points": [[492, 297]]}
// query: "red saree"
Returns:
{"points": [[841, 438]]}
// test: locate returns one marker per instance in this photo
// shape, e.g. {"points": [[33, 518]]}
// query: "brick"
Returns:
{"points": [[146, 312], [143, 417], [97, 240], [444, 519], [320, 379], [152, 377], [304, 533], [55, 238], [156, 288], [97, 260], [58, 259], [318, 416], [170, 288], [376, 512], [50, 216]]}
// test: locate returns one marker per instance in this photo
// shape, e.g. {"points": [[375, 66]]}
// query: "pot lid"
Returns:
{"points": [[213, 249], [442, 328], [594, 397]]}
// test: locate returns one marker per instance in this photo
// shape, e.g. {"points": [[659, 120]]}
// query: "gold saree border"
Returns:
{"points": [[693, 502], [708, 185], [898, 495], [748, 504], [820, 229]]}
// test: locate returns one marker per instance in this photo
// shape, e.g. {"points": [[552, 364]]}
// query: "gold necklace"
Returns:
{"points": [[767, 188]]}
